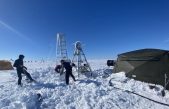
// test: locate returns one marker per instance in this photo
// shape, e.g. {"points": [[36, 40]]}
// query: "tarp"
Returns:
{"points": [[148, 65], [5, 65]]}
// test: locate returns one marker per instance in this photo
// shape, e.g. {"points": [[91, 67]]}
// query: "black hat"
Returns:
{"points": [[21, 56], [62, 61]]}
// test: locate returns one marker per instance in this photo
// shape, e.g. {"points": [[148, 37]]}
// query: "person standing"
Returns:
{"points": [[21, 69], [68, 69]]}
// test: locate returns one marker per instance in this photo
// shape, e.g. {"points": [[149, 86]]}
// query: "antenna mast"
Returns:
{"points": [[61, 50]]}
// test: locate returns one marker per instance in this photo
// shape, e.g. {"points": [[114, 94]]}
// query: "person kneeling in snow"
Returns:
{"points": [[68, 68], [21, 69], [59, 69]]}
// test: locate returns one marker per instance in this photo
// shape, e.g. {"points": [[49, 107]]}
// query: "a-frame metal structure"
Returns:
{"points": [[79, 59]]}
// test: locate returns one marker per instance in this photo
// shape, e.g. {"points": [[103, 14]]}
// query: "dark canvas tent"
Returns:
{"points": [[148, 65], [5, 65]]}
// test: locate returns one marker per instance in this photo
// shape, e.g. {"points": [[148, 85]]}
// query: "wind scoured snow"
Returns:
{"points": [[86, 93]]}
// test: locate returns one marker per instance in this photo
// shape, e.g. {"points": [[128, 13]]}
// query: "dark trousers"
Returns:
{"points": [[69, 73], [20, 72]]}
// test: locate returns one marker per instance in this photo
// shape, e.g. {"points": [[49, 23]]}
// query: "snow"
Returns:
{"points": [[5, 76], [86, 93]]}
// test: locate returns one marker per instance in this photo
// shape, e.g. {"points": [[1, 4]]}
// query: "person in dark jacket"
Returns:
{"points": [[68, 68], [21, 69], [58, 68]]}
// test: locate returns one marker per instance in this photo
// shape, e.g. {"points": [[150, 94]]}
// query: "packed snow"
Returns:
{"points": [[99, 91]]}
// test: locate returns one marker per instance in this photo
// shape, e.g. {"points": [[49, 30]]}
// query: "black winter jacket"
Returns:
{"points": [[19, 64]]}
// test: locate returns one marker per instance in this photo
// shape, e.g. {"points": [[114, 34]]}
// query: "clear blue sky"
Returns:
{"points": [[105, 27]]}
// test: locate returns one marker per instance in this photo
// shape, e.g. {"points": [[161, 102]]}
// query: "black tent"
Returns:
{"points": [[148, 65]]}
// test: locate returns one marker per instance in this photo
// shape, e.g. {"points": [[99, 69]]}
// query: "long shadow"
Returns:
{"points": [[47, 85], [90, 81], [100, 73]]}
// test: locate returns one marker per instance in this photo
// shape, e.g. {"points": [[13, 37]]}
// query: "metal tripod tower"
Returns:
{"points": [[80, 60], [61, 47]]}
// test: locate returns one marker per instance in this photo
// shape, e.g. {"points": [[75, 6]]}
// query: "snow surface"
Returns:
{"points": [[86, 93], [5, 76]]}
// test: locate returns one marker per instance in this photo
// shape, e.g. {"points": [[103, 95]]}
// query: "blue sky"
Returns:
{"points": [[105, 27]]}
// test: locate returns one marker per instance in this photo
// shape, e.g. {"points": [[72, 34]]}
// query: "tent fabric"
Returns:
{"points": [[5, 65], [148, 65]]}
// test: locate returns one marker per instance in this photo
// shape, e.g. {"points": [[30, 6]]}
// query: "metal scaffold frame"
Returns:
{"points": [[80, 59], [61, 50]]}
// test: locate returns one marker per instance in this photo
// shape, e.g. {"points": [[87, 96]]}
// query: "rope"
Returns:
{"points": [[110, 84]]}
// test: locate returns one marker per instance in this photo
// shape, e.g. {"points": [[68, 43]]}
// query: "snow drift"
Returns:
{"points": [[51, 92]]}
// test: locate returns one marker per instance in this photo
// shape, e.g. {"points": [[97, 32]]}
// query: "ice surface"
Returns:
{"points": [[86, 93]]}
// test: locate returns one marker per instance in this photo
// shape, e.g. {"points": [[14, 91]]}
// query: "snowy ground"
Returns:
{"points": [[5, 76], [86, 93]]}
